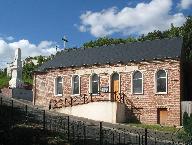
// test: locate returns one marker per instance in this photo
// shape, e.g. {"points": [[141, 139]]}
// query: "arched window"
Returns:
{"points": [[58, 86], [75, 82], [137, 83], [161, 81], [94, 84]]}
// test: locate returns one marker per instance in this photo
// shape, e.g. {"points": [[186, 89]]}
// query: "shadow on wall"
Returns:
{"points": [[132, 116], [131, 111]]}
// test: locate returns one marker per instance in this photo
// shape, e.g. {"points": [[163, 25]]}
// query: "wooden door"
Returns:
{"points": [[115, 87], [162, 116]]}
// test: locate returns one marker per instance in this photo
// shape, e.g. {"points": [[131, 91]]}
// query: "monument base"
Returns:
{"points": [[18, 93], [15, 83]]}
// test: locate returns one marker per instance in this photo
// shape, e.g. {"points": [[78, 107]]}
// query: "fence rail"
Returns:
{"points": [[78, 131]]}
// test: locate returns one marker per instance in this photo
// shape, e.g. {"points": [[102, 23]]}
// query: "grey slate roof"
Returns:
{"points": [[136, 51]]}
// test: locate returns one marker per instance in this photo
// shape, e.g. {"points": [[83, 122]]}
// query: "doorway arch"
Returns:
{"points": [[115, 87]]}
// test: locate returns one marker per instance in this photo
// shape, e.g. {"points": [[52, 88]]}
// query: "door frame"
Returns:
{"points": [[110, 83], [158, 115]]}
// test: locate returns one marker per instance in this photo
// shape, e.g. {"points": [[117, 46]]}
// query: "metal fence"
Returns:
{"points": [[80, 132]]}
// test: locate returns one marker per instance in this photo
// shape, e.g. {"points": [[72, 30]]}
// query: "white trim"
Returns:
{"points": [[155, 81], [90, 83], [132, 73], [72, 85], [119, 82], [111, 82], [55, 85]]}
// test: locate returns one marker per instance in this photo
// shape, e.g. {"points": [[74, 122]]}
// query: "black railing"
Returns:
{"points": [[86, 98], [80, 132]]}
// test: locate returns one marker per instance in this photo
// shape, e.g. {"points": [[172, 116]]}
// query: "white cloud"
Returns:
{"points": [[10, 38], [185, 4], [143, 18], [7, 49]]}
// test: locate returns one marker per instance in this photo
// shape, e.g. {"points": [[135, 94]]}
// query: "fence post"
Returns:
{"points": [[84, 98], [145, 136], [155, 138], [113, 138], [26, 115], [123, 98], [12, 105], [71, 101], [91, 97], [139, 139], [101, 133], [11, 110], [65, 102], [84, 132], [115, 99], [124, 137], [43, 119], [119, 138], [1, 101], [68, 129], [73, 130]]}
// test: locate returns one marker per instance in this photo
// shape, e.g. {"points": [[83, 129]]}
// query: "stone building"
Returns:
{"points": [[145, 76]]}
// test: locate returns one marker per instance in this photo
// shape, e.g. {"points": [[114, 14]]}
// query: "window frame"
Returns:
{"points": [[55, 86], [91, 82], [132, 84], [166, 92], [72, 85]]}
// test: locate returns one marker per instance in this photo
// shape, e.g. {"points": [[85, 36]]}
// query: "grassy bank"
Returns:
{"points": [[18, 132], [156, 127], [30, 135]]}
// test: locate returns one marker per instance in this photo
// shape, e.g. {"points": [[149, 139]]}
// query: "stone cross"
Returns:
{"points": [[16, 71]]}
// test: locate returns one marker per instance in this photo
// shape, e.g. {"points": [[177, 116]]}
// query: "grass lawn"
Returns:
{"points": [[21, 133], [156, 127], [30, 135]]}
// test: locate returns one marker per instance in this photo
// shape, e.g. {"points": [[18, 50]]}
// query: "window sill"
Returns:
{"points": [[58, 95], [161, 93], [137, 93], [95, 94], [73, 95]]}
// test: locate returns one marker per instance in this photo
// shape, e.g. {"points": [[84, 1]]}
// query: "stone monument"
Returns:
{"points": [[16, 71]]}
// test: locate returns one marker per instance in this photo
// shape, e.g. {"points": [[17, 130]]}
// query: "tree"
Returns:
{"points": [[184, 31], [28, 68], [107, 41], [40, 60], [187, 125]]}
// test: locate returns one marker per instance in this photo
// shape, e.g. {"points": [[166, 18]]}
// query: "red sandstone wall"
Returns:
{"points": [[149, 101], [6, 92]]}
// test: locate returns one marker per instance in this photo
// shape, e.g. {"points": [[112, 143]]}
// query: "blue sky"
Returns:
{"points": [[37, 26]]}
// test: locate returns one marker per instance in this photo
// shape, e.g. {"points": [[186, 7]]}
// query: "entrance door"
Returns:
{"points": [[162, 115], [115, 87]]}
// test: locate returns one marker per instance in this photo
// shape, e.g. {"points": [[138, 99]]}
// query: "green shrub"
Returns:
{"points": [[4, 80], [187, 125]]}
